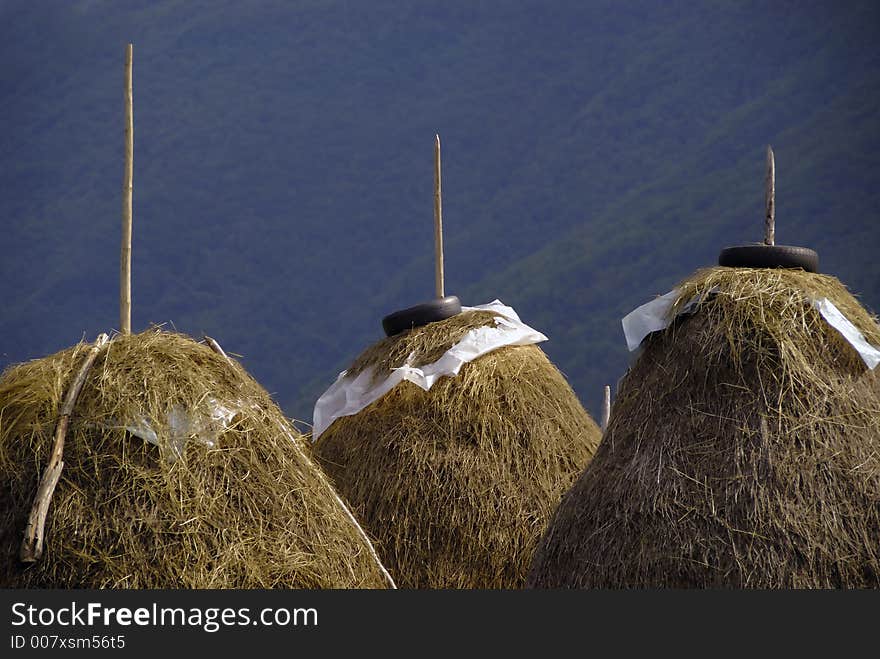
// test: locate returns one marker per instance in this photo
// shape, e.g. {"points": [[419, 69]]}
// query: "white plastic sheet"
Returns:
{"points": [[652, 316], [869, 354], [184, 426], [655, 315], [349, 395]]}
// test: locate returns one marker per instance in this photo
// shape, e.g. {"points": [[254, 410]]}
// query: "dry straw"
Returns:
{"points": [[743, 450], [249, 512], [457, 483]]}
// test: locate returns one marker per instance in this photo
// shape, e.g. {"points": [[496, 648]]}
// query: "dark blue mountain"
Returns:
{"points": [[594, 153]]}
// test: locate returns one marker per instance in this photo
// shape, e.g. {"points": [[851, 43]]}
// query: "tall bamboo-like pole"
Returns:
{"points": [[770, 200], [438, 223], [606, 408], [125, 257]]}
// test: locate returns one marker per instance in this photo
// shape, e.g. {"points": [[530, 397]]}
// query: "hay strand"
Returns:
{"points": [[216, 348]]}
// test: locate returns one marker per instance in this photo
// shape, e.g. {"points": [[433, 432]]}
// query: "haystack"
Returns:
{"points": [[743, 449], [457, 483], [179, 472]]}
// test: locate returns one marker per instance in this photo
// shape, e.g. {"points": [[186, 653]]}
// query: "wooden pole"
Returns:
{"points": [[606, 408], [125, 258], [770, 200], [32, 545], [438, 223]]}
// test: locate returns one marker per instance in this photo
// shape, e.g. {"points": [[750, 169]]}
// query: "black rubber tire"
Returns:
{"points": [[421, 314], [769, 256]]}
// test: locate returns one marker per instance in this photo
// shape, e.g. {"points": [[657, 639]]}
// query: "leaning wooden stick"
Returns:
{"points": [[32, 545], [606, 408], [770, 200], [438, 224], [125, 257]]}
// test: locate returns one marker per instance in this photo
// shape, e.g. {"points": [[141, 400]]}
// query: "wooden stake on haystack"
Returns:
{"points": [[125, 260], [606, 408], [438, 224], [441, 306], [770, 200], [768, 254]]}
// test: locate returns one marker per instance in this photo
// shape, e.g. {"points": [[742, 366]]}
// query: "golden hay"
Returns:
{"points": [[743, 450], [251, 512], [458, 483]]}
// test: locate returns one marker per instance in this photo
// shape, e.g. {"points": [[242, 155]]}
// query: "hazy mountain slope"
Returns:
{"points": [[594, 153], [658, 235]]}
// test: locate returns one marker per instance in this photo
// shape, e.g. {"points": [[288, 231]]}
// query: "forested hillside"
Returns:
{"points": [[594, 153]]}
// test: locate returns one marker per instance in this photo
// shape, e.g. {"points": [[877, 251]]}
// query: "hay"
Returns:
{"points": [[457, 483], [420, 345], [249, 512], [743, 450]]}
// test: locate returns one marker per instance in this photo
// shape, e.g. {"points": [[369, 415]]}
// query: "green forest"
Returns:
{"points": [[594, 154]]}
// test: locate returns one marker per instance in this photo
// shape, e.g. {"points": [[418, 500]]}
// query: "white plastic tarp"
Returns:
{"points": [[349, 395], [183, 426], [655, 315], [869, 354], [652, 316]]}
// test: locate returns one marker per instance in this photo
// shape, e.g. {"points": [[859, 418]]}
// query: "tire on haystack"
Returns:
{"points": [[457, 483], [251, 511], [743, 450]]}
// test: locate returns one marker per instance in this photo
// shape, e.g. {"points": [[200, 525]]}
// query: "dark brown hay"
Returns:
{"points": [[251, 512], [743, 450], [458, 483]]}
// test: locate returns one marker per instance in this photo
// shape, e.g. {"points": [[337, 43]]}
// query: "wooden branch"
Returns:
{"points": [[32, 545], [606, 408], [438, 224], [770, 200], [125, 257]]}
